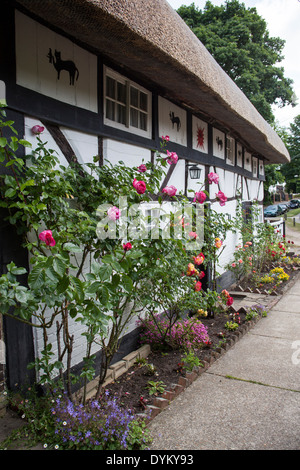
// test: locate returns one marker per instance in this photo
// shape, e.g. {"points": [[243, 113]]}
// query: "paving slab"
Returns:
{"points": [[262, 359], [279, 324], [294, 290], [216, 413], [290, 302]]}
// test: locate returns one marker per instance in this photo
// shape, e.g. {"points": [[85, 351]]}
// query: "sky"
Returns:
{"points": [[283, 20]]}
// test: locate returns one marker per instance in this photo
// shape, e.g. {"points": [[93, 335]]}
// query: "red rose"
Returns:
{"points": [[127, 246], [198, 286], [139, 186], [46, 236]]}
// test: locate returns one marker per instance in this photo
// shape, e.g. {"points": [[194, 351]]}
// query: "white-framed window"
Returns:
{"points": [[230, 150], [127, 105]]}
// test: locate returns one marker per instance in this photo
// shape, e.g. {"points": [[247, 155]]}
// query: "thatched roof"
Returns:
{"points": [[149, 38]]}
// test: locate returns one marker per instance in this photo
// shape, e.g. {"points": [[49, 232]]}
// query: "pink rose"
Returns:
{"points": [[213, 178], [233, 265], [221, 198], [166, 138], [173, 157], [113, 213], [46, 236], [127, 246], [200, 197], [229, 301], [139, 186], [193, 235], [170, 190], [142, 168], [37, 129]]}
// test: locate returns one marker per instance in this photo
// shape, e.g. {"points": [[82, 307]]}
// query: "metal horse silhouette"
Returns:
{"points": [[60, 65], [175, 120], [220, 143]]}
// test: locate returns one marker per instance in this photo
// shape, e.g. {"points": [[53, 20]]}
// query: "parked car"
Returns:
{"points": [[284, 206], [273, 211], [294, 203]]}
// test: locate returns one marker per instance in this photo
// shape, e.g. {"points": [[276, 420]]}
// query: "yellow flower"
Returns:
{"points": [[202, 313]]}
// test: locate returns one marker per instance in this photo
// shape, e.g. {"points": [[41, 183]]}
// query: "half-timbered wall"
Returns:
{"points": [[90, 107]]}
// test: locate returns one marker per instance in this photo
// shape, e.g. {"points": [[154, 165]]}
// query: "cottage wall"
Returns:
{"points": [[102, 109]]}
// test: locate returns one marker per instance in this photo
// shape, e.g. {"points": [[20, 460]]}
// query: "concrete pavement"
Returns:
{"points": [[249, 399]]}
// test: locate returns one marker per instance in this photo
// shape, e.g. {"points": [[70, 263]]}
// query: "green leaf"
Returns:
{"points": [[59, 266], [94, 287], [25, 143], [21, 296], [63, 285], [14, 144], [10, 192], [127, 283], [30, 182], [18, 271], [78, 289], [3, 141], [105, 272], [72, 247], [36, 278], [51, 274], [104, 295]]}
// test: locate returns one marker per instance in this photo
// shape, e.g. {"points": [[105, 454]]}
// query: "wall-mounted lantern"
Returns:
{"points": [[195, 172]]}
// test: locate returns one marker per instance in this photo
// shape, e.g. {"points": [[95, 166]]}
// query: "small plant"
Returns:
{"points": [[150, 369], [222, 341], [231, 326], [190, 360], [143, 402], [255, 311], [155, 388], [141, 361]]}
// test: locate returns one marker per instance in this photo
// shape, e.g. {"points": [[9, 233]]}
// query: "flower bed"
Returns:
{"points": [[167, 368]]}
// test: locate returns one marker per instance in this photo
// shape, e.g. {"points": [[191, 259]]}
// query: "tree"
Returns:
{"points": [[238, 39], [291, 171]]}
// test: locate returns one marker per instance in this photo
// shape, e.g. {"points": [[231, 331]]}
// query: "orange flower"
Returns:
{"points": [[218, 242], [225, 292]]}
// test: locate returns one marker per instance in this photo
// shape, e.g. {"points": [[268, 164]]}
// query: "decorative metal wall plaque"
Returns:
{"points": [[60, 65], [175, 120]]}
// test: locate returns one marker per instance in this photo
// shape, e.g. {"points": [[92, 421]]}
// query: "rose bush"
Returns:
{"points": [[78, 276]]}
